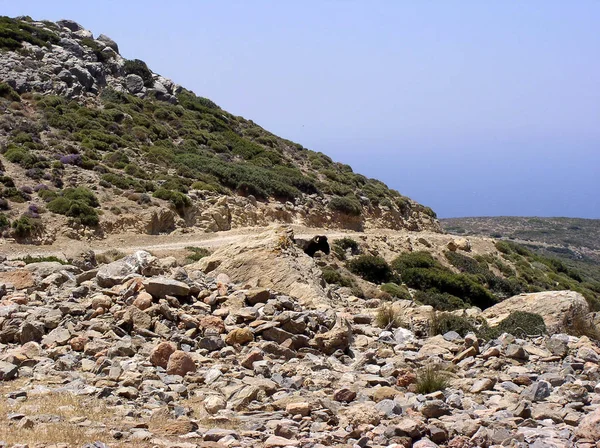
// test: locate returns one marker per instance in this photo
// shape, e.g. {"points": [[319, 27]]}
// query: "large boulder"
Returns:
{"points": [[555, 307], [117, 272], [269, 260], [108, 42]]}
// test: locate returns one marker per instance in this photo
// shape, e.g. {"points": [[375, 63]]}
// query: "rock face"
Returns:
{"points": [[556, 307], [269, 260]]}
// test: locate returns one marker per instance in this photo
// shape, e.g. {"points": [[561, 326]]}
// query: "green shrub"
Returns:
{"points": [[4, 221], [388, 317], [401, 292], [521, 324], [333, 276], [347, 243], [442, 323], [25, 226], [179, 200], [439, 301], [409, 260], [196, 254], [21, 156], [77, 203], [28, 259], [13, 32], [345, 204], [371, 268], [465, 263], [7, 92], [431, 378], [463, 286]]}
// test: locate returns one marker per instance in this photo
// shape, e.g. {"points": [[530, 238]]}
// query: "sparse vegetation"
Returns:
{"points": [[388, 317], [196, 254], [431, 378], [28, 259], [109, 256]]}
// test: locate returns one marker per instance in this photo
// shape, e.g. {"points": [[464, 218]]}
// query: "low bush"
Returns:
{"points": [[179, 200], [442, 323], [196, 254], [76, 203], [109, 256], [334, 277], [521, 324], [395, 290], [348, 243], [345, 204], [28, 259], [138, 67], [25, 227], [8, 93], [4, 221], [371, 268], [410, 260], [439, 301]]}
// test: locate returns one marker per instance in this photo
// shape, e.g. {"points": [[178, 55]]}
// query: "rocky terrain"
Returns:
{"points": [[94, 144], [160, 306], [144, 352]]}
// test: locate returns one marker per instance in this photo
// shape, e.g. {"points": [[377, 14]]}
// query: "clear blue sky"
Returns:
{"points": [[470, 107]]}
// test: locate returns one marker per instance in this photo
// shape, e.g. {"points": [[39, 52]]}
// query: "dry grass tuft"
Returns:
{"points": [[431, 378], [580, 325], [109, 256], [387, 317]]}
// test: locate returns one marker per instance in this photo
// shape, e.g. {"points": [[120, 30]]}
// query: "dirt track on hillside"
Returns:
{"points": [[158, 244]]}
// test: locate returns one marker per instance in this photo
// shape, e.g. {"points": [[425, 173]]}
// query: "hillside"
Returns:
{"points": [[575, 241], [94, 144]]}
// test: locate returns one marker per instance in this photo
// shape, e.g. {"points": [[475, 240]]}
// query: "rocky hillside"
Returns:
{"points": [[579, 238], [574, 242], [143, 352], [94, 144]]}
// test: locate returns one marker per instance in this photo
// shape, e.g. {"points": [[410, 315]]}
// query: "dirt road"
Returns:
{"points": [[158, 244]]}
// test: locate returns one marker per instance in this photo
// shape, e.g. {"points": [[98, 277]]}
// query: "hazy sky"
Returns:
{"points": [[471, 107]]}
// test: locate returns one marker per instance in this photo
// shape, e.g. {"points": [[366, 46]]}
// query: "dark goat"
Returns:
{"points": [[318, 242]]}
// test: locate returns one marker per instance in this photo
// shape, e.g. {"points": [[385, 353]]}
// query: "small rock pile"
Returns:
{"points": [[186, 360]]}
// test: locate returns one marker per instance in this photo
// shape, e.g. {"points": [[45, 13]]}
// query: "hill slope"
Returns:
{"points": [[151, 156], [575, 241]]}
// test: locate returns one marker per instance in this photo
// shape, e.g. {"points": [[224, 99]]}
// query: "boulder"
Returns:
{"points": [[117, 272], [108, 42], [589, 427], [134, 83], [159, 356], [20, 278], [162, 286], [555, 307], [70, 24], [180, 363], [239, 336], [8, 371], [269, 260]]}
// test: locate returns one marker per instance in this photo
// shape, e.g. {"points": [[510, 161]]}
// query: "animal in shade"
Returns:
{"points": [[311, 246]]}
